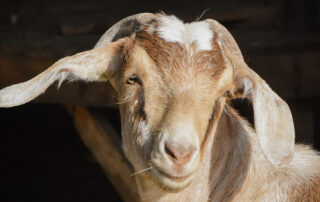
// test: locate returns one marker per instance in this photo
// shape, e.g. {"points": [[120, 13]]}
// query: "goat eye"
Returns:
{"points": [[133, 79]]}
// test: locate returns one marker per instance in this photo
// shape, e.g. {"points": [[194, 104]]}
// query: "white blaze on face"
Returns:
{"points": [[172, 29]]}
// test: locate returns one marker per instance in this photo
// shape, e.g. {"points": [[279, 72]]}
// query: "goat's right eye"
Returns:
{"points": [[133, 79]]}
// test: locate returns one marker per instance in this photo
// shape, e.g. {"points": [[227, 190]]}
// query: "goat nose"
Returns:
{"points": [[180, 154]]}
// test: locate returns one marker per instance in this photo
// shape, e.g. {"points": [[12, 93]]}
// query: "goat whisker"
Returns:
{"points": [[141, 171]]}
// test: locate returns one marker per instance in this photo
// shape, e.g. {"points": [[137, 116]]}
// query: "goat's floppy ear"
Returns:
{"points": [[98, 64], [272, 117]]}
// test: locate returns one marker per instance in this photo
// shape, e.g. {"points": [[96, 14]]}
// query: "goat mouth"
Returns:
{"points": [[170, 182], [174, 178]]}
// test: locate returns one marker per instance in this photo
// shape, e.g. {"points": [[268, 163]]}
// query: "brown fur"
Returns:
{"points": [[306, 191]]}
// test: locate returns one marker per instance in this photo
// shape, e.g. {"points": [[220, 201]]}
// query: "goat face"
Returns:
{"points": [[169, 76], [168, 90]]}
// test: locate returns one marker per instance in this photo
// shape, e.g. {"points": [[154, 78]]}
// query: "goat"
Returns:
{"points": [[175, 82]]}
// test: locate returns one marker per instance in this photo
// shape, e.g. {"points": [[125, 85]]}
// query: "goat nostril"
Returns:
{"points": [[168, 152], [179, 154]]}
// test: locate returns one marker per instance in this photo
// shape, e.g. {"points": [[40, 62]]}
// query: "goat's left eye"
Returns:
{"points": [[133, 79]]}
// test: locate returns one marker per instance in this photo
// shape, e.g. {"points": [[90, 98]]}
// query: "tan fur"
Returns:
{"points": [[231, 168], [234, 169], [181, 96]]}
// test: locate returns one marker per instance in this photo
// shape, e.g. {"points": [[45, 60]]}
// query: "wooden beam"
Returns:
{"points": [[104, 143], [291, 75]]}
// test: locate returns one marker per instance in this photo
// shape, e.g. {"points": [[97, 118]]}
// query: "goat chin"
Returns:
{"points": [[169, 183], [173, 178]]}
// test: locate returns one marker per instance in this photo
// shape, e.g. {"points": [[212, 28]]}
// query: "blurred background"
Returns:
{"points": [[43, 157]]}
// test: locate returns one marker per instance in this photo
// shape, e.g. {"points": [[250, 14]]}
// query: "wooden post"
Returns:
{"points": [[104, 143]]}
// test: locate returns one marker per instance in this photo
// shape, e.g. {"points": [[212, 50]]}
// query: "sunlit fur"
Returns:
{"points": [[186, 75], [161, 108], [178, 82]]}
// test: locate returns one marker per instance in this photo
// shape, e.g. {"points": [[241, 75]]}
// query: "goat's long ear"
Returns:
{"points": [[94, 65], [272, 117]]}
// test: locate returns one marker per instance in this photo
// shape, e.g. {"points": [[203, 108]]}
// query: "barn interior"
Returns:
{"points": [[45, 146]]}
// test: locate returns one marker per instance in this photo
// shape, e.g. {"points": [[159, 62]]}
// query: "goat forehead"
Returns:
{"points": [[185, 55], [171, 29], [174, 68], [178, 65], [174, 44]]}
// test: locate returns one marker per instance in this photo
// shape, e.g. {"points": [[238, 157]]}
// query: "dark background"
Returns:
{"points": [[42, 157]]}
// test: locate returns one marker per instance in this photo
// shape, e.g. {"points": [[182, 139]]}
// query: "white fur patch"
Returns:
{"points": [[172, 29], [144, 132]]}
